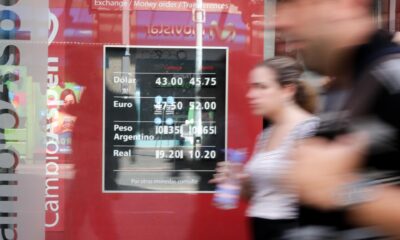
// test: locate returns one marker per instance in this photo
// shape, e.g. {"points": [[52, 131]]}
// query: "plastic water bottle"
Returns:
{"points": [[227, 193]]}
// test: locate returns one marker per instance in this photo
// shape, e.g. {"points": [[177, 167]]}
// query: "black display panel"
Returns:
{"points": [[164, 126]]}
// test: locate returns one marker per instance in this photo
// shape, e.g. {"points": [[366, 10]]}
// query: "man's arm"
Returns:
{"points": [[382, 212], [323, 168]]}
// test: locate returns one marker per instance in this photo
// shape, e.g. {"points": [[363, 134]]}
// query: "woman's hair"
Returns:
{"points": [[63, 95], [288, 71], [67, 92]]}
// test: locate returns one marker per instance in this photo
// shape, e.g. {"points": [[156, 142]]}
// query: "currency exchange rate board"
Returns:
{"points": [[164, 118]]}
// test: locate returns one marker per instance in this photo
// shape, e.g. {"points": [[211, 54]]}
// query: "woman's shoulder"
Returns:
{"points": [[307, 127]]}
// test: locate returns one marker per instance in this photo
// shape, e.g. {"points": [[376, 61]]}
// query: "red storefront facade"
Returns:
{"points": [[58, 181]]}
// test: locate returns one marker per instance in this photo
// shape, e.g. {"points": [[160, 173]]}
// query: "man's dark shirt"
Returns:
{"points": [[373, 106]]}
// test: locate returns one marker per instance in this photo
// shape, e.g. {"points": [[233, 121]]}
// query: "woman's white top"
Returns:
{"points": [[270, 199]]}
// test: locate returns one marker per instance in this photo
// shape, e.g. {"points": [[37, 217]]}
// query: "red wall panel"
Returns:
{"points": [[91, 214]]}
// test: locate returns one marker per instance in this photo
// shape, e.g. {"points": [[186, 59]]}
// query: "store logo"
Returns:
{"points": [[53, 27], [172, 30], [226, 33], [52, 188], [13, 33], [10, 24]]}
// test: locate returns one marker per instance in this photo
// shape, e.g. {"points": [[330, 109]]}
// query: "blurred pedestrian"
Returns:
{"points": [[346, 177], [277, 94]]}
